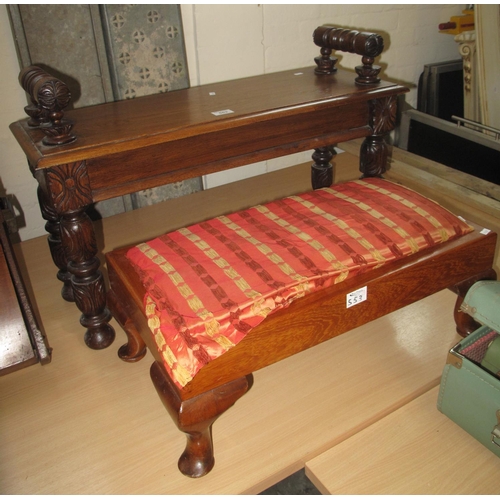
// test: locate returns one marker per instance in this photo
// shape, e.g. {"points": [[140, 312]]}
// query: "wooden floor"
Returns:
{"points": [[413, 450], [88, 423]]}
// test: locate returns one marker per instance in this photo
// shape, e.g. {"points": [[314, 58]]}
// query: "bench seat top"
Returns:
{"points": [[127, 125], [208, 285]]}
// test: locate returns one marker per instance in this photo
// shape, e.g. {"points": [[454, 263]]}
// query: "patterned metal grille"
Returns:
{"points": [[106, 53], [146, 48]]}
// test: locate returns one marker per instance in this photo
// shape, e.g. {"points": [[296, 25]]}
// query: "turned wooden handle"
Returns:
{"points": [[44, 89], [367, 45], [355, 42], [49, 96]]}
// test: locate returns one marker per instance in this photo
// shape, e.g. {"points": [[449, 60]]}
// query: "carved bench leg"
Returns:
{"points": [[66, 189], [86, 279], [195, 417], [374, 151], [322, 170], [55, 245], [465, 323], [373, 156], [135, 348]]}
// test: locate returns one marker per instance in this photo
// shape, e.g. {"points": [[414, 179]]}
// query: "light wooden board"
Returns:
{"points": [[88, 423], [414, 451]]}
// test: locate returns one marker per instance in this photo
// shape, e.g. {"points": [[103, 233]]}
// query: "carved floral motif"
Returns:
{"points": [[383, 114], [70, 187]]}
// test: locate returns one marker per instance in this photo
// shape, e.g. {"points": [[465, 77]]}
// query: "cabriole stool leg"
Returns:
{"points": [[195, 417], [135, 348]]}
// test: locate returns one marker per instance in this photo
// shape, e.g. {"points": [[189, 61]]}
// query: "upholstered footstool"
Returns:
{"points": [[222, 298]]}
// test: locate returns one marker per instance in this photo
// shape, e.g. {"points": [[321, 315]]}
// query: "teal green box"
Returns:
{"points": [[469, 393]]}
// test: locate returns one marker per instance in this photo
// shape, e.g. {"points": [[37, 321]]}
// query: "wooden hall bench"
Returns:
{"points": [[122, 147]]}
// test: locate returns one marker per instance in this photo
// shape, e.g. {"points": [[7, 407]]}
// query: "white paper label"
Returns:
{"points": [[222, 112], [485, 231], [356, 297]]}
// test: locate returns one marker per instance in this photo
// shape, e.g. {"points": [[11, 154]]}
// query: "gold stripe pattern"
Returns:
{"points": [[326, 254], [376, 254], [377, 215], [181, 374], [259, 306], [222, 263], [265, 250], [407, 203], [212, 326]]}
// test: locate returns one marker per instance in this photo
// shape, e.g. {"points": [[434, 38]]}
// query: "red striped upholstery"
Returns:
{"points": [[209, 284]]}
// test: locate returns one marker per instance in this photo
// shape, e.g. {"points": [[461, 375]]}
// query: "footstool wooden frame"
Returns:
{"points": [[307, 322]]}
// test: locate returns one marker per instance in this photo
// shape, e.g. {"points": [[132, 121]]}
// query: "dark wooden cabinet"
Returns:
{"points": [[22, 343]]}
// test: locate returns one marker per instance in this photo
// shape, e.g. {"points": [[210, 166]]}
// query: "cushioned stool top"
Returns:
{"points": [[209, 284]]}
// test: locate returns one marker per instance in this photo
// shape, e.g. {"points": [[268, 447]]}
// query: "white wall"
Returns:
{"points": [[224, 42], [15, 177]]}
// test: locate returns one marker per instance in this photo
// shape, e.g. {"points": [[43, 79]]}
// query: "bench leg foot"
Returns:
{"points": [[135, 348], [195, 417], [465, 323]]}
